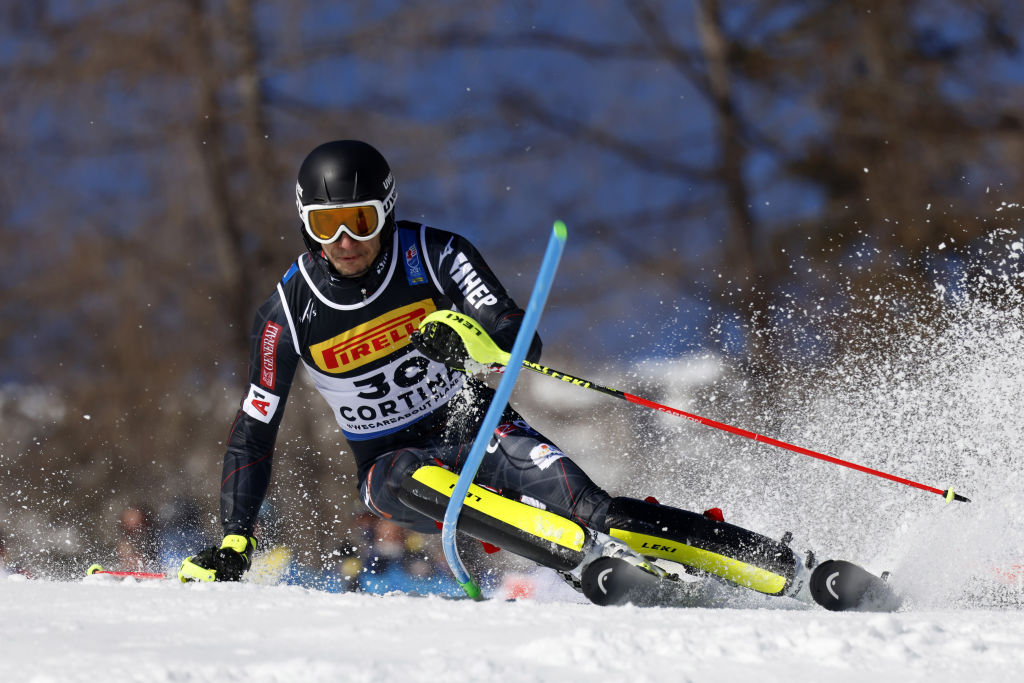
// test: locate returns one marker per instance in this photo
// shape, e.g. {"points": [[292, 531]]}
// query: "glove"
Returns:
{"points": [[440, 343], [458, 341], [226, 563]]}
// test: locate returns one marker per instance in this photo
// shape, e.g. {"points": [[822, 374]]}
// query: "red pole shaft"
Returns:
{"points": [[133, 575], [948, 494], [775, 442]]}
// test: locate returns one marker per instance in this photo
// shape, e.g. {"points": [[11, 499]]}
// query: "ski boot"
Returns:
{"points": [[704, 544]]}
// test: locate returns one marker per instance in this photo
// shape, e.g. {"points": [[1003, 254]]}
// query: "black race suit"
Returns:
{"points": [[396, 407]]}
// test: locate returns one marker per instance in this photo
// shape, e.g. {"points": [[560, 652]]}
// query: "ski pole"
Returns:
{"points": [[531, 317], [948, 494], [98, 569]]}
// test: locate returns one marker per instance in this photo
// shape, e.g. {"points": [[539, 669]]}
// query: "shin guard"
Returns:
{"points": [[690, 539], [538, 535]]}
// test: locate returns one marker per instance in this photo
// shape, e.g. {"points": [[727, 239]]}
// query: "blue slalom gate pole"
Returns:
{"points": [[501, 396]]}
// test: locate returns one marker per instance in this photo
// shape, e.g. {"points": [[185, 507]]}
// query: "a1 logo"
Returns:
{"points": [[260, 404]]}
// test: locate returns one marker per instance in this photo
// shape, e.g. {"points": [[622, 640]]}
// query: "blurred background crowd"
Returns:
{"points": [[374, 557]]}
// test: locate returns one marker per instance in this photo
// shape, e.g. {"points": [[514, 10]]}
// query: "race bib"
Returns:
{"points": [[390, 397]]}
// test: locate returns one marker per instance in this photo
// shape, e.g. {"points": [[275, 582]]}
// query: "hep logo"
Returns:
{"points": [[470, 283]]}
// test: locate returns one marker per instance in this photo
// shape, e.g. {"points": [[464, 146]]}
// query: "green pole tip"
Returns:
{"points": [[472, 589], [560, 230]]}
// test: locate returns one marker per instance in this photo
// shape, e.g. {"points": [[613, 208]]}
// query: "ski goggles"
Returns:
{"points": [[362, 221]]}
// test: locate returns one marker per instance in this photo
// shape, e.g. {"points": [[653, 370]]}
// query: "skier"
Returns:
{"points": [[374, 309]]}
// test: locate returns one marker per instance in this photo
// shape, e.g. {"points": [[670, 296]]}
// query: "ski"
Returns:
{"points": [[838, 586], [615, 581]]}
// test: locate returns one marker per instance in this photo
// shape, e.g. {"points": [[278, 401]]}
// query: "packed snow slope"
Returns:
{"points": [[104, 630]]}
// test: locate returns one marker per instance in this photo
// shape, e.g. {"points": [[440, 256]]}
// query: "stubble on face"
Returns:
{"points": [[352, 258]]}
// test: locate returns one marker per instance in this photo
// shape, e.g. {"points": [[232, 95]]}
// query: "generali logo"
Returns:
{"points": [[268, 354], [372, 340]]}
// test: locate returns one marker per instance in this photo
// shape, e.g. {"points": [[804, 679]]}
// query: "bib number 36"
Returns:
{"points": [[406, 375]]}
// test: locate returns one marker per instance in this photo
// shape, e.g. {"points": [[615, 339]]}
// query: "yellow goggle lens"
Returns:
{"points": [[360, 221]]}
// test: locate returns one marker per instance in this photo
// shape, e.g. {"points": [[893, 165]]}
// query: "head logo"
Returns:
{"points": [[370, 341]]}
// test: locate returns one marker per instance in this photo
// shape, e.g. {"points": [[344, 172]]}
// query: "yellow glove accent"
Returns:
{"points": [[479, 345]]}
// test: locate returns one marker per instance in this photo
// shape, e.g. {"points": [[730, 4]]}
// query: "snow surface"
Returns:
{"points": [[164, 631]]}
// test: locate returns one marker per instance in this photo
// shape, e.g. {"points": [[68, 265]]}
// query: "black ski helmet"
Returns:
{"points": [[342, 172]]}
